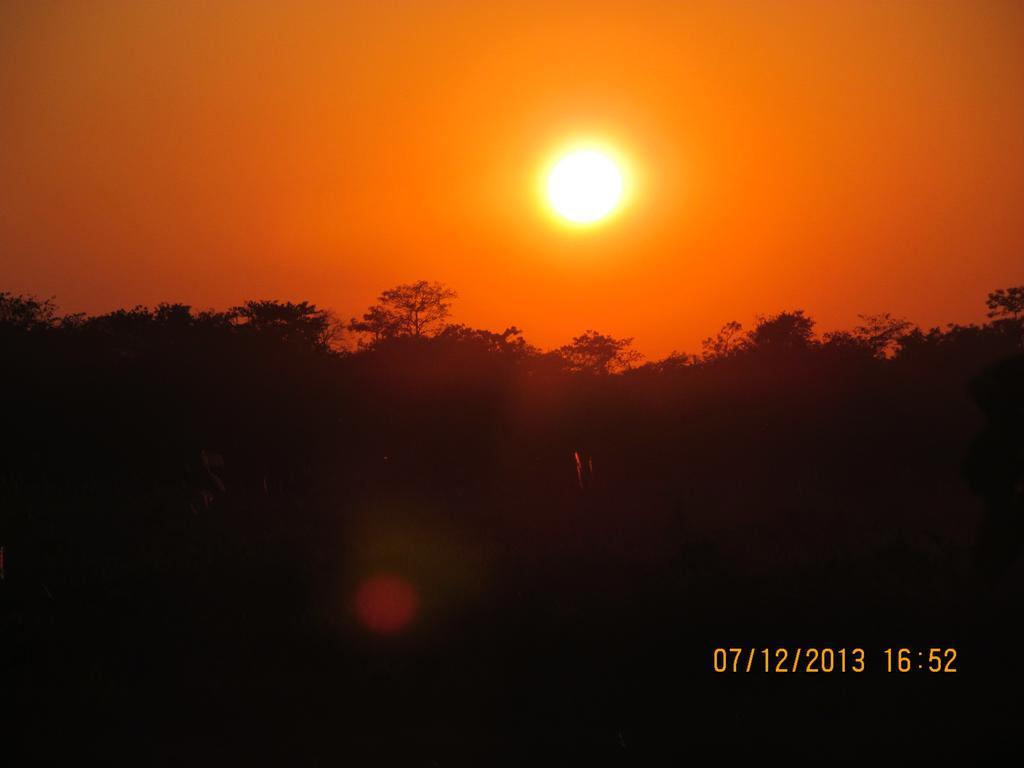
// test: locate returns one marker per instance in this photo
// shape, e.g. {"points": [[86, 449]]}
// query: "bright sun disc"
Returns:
{"points": [[584, 186]]}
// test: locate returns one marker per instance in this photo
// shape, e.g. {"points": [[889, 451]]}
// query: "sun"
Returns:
{"points": [[584, 186]]}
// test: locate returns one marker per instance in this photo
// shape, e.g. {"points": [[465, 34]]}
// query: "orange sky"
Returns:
{"points": [[841, 157]]}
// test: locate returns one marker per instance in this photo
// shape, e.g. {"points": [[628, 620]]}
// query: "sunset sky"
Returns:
{"points": [[841, 157]]}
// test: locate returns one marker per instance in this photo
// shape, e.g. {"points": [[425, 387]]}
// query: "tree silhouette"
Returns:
{"points": [[723, 344], [785, 331], [26, 312], [593, 352], [412, 309], [675, 361], [173, 314], [1008, 304], [880, 333], [301, 324], [508, 342]]}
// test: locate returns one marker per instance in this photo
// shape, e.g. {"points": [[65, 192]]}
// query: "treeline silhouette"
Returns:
{"points": [[190, 502]]}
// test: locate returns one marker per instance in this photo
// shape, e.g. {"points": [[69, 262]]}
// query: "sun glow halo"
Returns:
{"points": [[584, 186]]}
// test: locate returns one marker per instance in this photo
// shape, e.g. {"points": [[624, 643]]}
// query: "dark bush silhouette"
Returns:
{"points": [[596, 353], [26, 313], [784, 332]]}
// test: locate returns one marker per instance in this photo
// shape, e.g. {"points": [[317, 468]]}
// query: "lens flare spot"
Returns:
{"points": [[386, 604]]}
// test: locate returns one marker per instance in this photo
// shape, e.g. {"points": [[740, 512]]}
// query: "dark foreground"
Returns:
{"points": [[187, 528]]}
